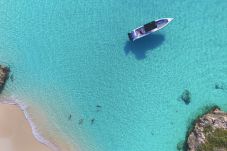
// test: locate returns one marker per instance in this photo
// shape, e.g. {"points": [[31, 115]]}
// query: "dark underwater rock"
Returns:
{"points": [[92, 121], [180, 146], [4, 75], [186, 96], [219, 86]]}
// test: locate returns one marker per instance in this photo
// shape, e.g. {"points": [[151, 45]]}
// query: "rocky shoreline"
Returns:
{"points": [[4, 75], [209, 132]]}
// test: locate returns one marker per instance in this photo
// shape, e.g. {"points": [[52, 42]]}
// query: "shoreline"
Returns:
{"points": [[34, 130]]}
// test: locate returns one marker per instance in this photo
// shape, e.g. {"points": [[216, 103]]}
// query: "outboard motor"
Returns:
{"points": [[130, 36]]}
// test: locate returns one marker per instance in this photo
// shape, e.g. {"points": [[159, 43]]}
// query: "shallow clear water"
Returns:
{"points": [[71, 56]]}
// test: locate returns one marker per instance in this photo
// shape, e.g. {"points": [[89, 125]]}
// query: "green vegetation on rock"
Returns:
{"points": [[208, 129], [215, 140]]}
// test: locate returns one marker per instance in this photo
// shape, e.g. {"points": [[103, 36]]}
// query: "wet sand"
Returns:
{"points": [[15, 131]]}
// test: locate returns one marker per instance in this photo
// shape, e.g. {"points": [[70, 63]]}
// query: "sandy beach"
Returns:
{"points": [[15, 131]]}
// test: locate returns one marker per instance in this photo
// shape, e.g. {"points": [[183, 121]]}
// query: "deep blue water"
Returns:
{"points": [[70, 56]]}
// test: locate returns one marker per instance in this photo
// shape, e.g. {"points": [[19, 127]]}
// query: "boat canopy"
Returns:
{"points": [[150, 26]]}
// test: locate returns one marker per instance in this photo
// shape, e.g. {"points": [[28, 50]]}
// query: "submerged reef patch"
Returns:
{"points": [[185, 96], [219, 86]]}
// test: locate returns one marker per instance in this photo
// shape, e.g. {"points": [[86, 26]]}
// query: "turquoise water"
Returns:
{"points": [[70, 56]]}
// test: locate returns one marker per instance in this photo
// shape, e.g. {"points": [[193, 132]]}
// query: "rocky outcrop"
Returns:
{"points": [[205, 127], [4, 75]]}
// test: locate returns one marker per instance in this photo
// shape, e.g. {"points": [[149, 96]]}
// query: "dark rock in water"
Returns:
{"points": [[81, 121], [180, 146], [92, 121], [4, 75], [219, 86], [98, 108], [70, 116], [186, 97], [11, 77]]}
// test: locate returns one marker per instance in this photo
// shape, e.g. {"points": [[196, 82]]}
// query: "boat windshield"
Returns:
{"points": [[150, 26]]}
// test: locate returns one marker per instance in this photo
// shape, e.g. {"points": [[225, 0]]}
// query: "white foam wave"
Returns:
{"points": [[35, 132]]}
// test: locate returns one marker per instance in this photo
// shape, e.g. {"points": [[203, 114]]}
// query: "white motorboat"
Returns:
{"points": [[148, 28]]}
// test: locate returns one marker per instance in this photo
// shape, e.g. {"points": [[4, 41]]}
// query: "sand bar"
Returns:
{"points": [[15, 131]]}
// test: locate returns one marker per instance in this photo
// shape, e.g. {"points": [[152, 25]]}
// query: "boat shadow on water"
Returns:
{"points": [[140, 47]]}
